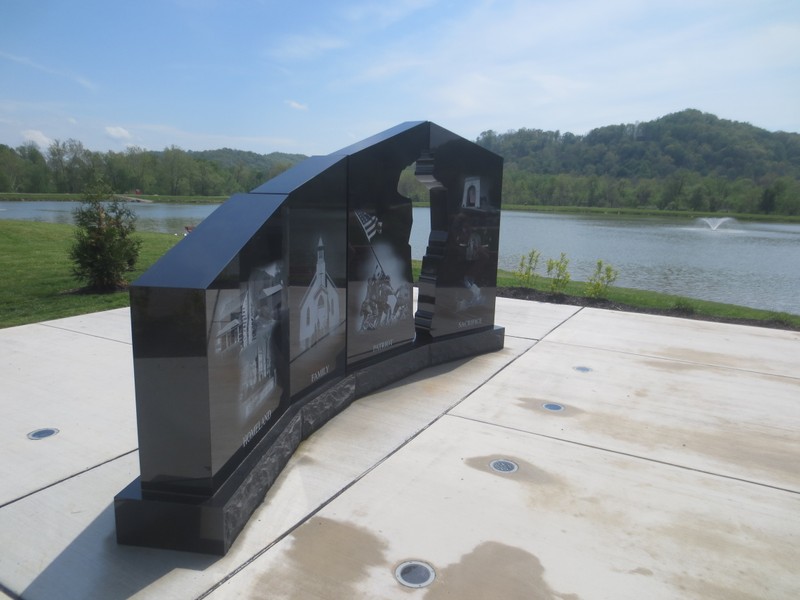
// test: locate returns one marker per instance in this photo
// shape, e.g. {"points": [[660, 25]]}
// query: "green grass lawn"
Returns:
{"points": [[679, 305], [36, 283]]}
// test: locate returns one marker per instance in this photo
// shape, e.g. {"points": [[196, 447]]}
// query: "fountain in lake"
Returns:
{"points": [[714, 223]]}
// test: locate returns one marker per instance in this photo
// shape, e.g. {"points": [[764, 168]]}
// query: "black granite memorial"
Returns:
{"points": [[285, 305]]}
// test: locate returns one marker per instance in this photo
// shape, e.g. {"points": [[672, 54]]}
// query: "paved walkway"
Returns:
{"points": [[671, 472]]}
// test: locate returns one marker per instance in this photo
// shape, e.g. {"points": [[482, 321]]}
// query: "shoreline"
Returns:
{"points": [[684, 312], [560, 210]]}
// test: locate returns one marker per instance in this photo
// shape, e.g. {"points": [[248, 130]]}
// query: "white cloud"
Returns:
{"points": [[392, 66], [158, 136], [296, 105], [23, 60], [365, 65], [37, 137], [302, 47], [118, 133], [581, 64], [385, 13]]}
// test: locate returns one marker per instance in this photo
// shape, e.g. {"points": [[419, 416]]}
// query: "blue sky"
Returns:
{"points": [[314, 76]]}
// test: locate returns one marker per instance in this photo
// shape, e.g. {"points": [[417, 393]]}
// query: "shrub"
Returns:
{"points": [[104, 249], [557, 271], [604, 275], [525, 274]]}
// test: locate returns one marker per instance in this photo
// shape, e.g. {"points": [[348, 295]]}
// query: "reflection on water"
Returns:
{"points": [[156, 217], [752, 264], [171, 218]]}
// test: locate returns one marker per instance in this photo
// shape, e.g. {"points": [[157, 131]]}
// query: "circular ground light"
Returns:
{"points": [[553, 406], [502, 465], [583, 369], [415, 574], [40, 434]]}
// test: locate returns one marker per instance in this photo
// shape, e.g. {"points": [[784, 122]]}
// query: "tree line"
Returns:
{"points": [[68, 167], [688, 160]]}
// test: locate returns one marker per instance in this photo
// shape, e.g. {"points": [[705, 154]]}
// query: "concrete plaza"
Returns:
{"points": [[672, 470]]}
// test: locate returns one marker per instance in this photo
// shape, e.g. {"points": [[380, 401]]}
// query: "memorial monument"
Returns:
{"points": [[285, 305]]}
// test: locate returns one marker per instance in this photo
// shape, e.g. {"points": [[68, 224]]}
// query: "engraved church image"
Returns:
{"points": [[288, 303], [320, 310]]}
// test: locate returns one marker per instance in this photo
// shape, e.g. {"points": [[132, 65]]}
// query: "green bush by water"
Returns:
{"points": [[558, 273], [104, 249], [602, 278], [526, 271]]}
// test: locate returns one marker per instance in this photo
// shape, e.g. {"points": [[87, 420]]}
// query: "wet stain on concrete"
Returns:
{"points": [[693, 587], [670, 365], [699, 359], [762, 454], [740, 542], [494, 570], [527, 473], [328, 559]]}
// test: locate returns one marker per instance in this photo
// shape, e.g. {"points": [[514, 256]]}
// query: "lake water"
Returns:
{"points": [[747, 263], [162, 218]]}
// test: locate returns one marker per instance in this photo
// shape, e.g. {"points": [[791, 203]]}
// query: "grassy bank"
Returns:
{"points": [[36, 283], [639, 212], [24, 197], [651, 302], [35, 279], [650, 212]]}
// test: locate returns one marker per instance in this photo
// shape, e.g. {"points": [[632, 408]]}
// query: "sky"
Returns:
{"points": [[311, 77]]}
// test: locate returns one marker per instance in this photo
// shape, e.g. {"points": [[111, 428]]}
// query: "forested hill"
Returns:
{"points": [[685, 160], [688, 160], [265, 163], [690, 139]]}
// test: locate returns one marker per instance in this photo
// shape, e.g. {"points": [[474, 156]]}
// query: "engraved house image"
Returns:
{"points": [[246, 319]]}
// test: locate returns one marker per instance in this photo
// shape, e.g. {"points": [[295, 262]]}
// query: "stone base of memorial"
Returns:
{"points": [[210, 525]]}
